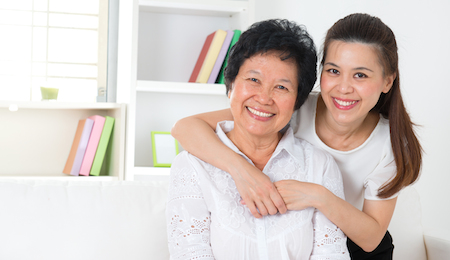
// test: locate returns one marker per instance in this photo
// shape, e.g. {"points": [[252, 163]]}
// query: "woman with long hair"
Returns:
{"points": [[358, 117]]}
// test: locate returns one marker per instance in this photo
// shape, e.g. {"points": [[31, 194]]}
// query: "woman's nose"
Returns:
{"points": [[264, 96], [345, 85]]}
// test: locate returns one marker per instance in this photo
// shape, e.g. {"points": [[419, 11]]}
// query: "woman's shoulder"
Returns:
{"points": [[313, 152], [381, 132]]}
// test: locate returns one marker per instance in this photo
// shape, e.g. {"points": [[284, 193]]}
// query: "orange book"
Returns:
{"points": [[73, 150], [201, 57]]}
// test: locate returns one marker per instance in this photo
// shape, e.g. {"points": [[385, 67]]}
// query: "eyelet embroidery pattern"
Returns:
{"points": [[195, 231], [185, 182], [327, 236], [331, 185], [189, 228]]}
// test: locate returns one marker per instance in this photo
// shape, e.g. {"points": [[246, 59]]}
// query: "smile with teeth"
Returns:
{"points": [[344, 103], [259, 113]]}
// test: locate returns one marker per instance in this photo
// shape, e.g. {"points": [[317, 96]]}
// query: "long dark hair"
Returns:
{"points": [[367, 29]]}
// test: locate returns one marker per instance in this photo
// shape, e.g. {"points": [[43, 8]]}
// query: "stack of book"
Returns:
{"points": [[89, 146], [213, 56]]}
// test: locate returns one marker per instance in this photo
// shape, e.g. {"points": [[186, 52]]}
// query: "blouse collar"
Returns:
{"points": [[287, 142]]}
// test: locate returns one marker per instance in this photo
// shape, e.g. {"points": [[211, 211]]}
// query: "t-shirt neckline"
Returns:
{"points": [[377, 127]]}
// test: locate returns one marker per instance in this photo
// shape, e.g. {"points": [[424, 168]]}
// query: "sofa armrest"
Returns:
{"points": [[437, 248]]}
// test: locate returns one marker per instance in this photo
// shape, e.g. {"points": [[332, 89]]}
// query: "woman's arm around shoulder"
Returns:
{"points": [[366, 228], [196, 135]]}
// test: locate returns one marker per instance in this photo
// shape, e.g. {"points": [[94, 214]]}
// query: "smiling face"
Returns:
{"points": [[352, 81], [263, 94]]}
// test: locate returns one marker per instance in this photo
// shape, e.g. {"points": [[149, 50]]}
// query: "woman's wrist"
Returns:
{"points": [[322, 198], [235, 165]]}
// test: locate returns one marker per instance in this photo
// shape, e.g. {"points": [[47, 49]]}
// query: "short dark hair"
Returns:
{"points": [[291, 39]]}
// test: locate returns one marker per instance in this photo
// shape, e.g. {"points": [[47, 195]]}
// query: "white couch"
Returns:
{"points": [[125, 220]]}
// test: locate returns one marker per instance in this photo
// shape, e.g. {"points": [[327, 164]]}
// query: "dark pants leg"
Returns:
{"points": [[382, 252]]}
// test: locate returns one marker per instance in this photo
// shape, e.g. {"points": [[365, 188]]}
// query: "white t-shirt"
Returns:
{"points": [[364, 169], [205, 219]]}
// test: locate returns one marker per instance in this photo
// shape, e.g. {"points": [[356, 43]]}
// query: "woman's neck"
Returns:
{"points": [[339, 136], [257, 149]]}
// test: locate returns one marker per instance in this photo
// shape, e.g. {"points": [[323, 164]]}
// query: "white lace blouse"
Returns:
{"points": [[205, 219]]}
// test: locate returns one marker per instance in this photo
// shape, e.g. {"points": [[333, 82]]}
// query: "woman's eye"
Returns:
{"points": [[360, 75], [281, 87], [333, 71], [254, 80]]}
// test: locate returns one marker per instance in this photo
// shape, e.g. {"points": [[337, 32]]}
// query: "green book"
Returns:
{"points": [[236, 35], [102, 145]]}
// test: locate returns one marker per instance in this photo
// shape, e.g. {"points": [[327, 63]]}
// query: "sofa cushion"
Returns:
{"points": [[83, 220], [406, 227]]}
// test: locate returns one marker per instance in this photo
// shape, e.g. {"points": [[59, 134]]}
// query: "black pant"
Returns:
{"points": [[382, 252]]}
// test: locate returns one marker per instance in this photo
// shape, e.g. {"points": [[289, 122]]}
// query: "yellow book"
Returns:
{"points": [[211, 56]]}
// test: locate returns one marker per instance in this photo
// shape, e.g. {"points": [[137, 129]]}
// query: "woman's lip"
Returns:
{"points": [[259, 114], [345, 104]]}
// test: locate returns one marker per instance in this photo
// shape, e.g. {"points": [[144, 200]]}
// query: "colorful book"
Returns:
{"points": [[220, 58], [92, 145], [74, 148], [201, 57], [82, 147], [102, 145], [221, 78], [211, 56]]}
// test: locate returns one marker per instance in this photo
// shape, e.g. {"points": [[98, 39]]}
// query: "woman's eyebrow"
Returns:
{"points": [[357, 68], [331, 64], [254, 72], [363, 68]]}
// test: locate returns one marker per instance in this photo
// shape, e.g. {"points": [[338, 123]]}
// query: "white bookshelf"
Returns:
{"points": [[161, 42], [37, 136]]}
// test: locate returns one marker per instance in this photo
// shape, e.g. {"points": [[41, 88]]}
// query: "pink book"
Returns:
{"points": [[84, 139], [223, 52], [91, 148]]}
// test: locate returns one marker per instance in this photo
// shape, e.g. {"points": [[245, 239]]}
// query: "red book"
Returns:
{"points": [[201, 57]]}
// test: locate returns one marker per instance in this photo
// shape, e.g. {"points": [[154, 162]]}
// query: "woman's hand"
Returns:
{"points": [[299, 195], [258, 192]]}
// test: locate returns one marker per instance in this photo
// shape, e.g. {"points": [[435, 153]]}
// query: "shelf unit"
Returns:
{"points": [[161, 41], [37, 138]]}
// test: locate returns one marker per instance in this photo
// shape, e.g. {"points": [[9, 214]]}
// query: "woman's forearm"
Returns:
{"points": [[366, 228]]}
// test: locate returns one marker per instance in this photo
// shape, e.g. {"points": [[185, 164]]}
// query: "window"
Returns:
{"points": [[53, 43]]}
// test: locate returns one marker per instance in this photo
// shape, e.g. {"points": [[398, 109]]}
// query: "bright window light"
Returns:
{"points": [[51, 43]]}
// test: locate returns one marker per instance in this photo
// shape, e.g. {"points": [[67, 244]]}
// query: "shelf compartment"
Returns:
{"points": [[199, 7], [158, 109], [171, 34], [36, 139]]}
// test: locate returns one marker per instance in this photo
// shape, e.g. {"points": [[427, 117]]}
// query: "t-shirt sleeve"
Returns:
{"points": [[384, 172]]}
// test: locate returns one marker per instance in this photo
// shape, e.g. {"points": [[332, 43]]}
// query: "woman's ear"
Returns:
{"points": [[230, 90], [389, 81]]}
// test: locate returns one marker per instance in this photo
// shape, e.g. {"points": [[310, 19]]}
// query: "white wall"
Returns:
{"points": [[423, 36]]}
